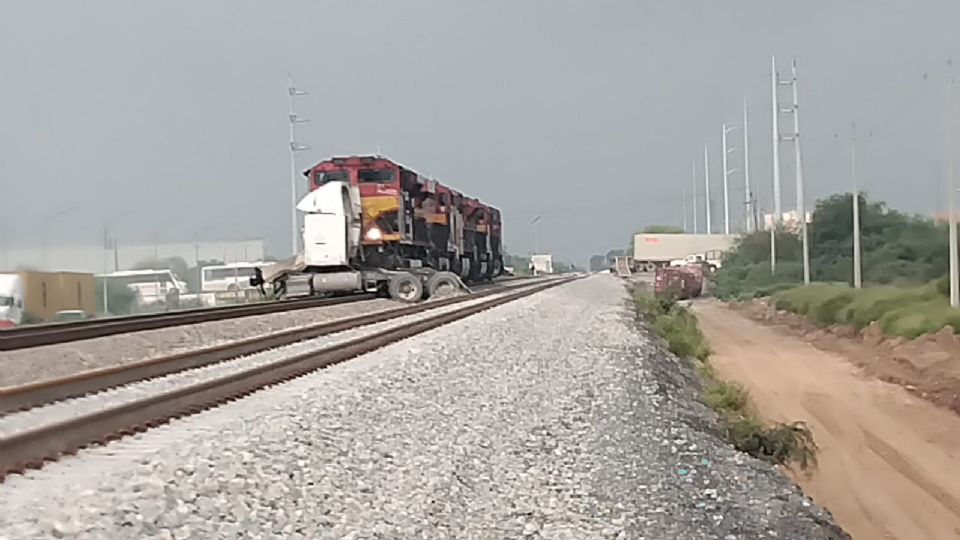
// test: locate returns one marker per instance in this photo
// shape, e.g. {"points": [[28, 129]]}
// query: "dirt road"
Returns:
{"points": [[889, 461]]}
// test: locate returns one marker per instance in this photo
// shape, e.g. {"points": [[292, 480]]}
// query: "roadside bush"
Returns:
{"points": [[754, 280], [674, 323], [803, 300], [779, 444], [726, 397], [905, 312]]}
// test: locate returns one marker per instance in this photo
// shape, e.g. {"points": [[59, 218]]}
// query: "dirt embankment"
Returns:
{"points": [[887, 460], [928, 366]]}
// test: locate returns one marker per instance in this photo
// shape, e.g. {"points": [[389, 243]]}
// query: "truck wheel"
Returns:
{"points": [[406, 287], [650, 267], [442, 283]]}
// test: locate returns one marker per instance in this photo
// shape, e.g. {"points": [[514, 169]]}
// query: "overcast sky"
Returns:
{"points": [[589, 114]]}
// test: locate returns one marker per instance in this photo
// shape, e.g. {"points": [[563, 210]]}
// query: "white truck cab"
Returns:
{"points": [[11, 300], [331, 260]]}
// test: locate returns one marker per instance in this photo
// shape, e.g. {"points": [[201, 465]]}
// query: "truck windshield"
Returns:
{"points": [[6, 301], [330, 176]]}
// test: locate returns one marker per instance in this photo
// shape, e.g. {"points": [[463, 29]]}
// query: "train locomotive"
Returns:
{"points": [[371, 223]]}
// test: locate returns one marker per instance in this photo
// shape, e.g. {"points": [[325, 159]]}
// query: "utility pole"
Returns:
{"points": [[801, 209], [951, 203], [777, 207], [748, 222], [694, 198], [857, 281], [706, 182], [295, 147], [726, 192]]}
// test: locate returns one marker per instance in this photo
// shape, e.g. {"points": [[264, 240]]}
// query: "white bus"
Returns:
{"points": [[227, 277], [151, 286]]}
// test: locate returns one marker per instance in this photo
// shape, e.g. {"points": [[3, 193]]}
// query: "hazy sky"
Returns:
{"points": [[587, 113]]}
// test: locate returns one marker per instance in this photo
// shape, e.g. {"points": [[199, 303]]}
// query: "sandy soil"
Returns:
{"points": [[928, 366], [888, 459]]}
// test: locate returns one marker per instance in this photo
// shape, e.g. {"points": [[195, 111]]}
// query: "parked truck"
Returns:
{"points": [[651, 251], [46, 296]]}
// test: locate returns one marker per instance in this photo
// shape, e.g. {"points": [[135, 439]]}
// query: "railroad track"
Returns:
{"points": [[52, 334], [44, 421]]}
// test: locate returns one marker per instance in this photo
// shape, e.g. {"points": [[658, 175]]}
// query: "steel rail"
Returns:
{"points": [[52, 334], [31, 449], [55, 333], [27, 396]]}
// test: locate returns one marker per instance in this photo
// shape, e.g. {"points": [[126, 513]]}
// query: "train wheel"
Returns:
{"points": [[406, 287]]}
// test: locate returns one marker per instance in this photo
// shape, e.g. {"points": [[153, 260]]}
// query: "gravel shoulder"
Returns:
{"points": [[54, 361], [550, 417]]}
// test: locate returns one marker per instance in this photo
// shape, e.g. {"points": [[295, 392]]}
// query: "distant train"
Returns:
{"points": [[373, 224]]}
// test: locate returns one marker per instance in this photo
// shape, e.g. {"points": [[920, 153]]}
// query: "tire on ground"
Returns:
{"points": [[442, 282], [405, 287]]}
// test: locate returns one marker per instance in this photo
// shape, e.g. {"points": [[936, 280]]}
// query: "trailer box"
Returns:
{"points": [[47, 293], [653, 250]]}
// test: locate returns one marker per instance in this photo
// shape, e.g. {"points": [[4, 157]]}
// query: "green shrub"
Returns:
{"points": [[803, 299], [674, 323], [779, 444], [726, 397], [905, 312], [943, 286]]}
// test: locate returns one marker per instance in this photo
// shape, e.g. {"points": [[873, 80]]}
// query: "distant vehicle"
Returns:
{"points": [[712, 258], [11, 300], [542, 264], [70, 315], [228, 277], [43, 294], [151, 286], [651, 251]]}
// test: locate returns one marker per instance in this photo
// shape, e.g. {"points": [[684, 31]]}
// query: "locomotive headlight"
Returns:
{"points": [[374, 234]]}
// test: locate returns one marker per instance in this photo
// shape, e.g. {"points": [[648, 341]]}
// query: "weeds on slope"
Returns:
{"points": [[900, 311], [781, 444]]}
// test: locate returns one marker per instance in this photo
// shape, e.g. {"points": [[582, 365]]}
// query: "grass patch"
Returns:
{"points": [[781, 444], [901, 311]]}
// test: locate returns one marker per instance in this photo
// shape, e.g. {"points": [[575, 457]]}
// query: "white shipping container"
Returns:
{"points": [[663, 248]]}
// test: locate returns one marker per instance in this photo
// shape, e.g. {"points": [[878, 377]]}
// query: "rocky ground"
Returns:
{"points": [[552, 417]]}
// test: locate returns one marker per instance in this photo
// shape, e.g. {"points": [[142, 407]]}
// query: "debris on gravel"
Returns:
{"points": [[549, 417]]}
